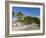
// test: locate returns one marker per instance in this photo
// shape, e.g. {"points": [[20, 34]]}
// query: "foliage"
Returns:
{"points": [[36, 20], [13, 14], [26, 19], [20, 17]]}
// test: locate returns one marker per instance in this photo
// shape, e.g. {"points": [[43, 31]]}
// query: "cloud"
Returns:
{"points": [[37, 17], [14, 19]]}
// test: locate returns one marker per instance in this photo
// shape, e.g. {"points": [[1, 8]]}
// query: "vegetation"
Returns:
{"points": [[36, 20], [20, 17], [13, 14], [26, 19]]}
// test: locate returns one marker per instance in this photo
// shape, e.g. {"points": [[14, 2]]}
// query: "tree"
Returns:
{"points": [[20, 17], [28, 20], [13, 14], [36, 20]]}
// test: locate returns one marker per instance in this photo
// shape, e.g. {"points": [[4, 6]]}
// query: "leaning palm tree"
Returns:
{"points": [[20, 17]]}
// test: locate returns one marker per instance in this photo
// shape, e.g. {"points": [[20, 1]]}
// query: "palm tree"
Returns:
{"points": [[20, 17]]}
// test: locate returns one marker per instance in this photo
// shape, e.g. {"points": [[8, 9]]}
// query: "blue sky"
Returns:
{"points": [[27, 11]]}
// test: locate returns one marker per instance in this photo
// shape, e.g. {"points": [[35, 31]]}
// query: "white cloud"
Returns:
{"points": [[37, 17]]}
